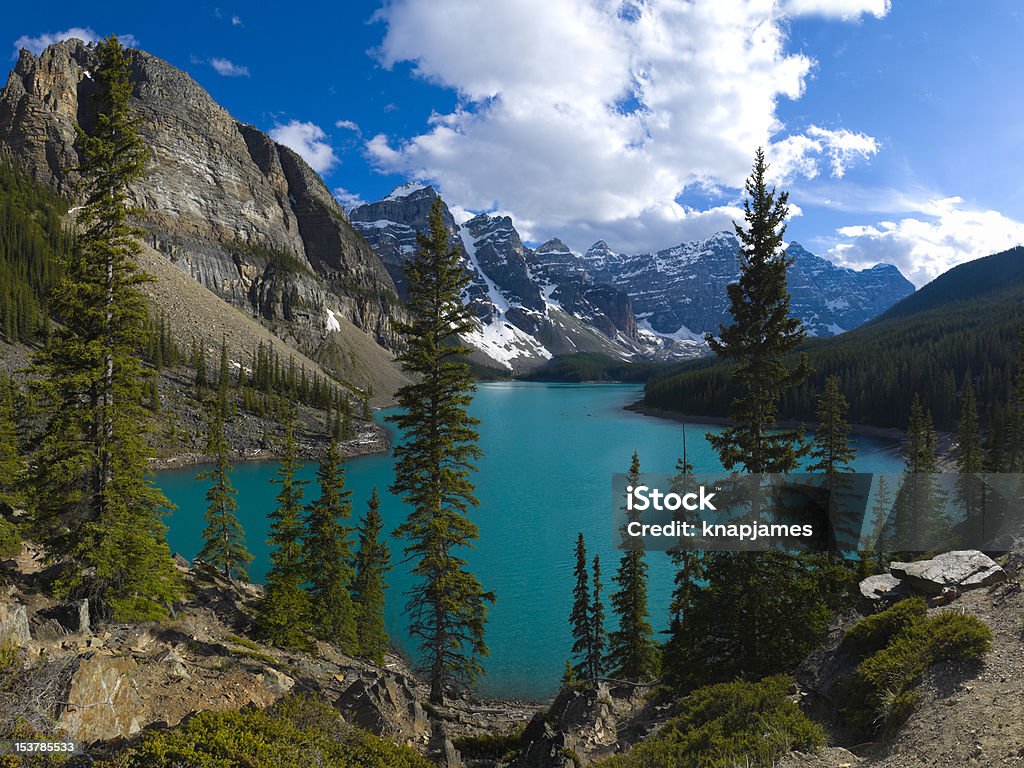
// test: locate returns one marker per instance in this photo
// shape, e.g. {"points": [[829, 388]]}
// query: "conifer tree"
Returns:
{"points": [[970, 460], [372, 563], [756, 613], [918, 513], [94, 501], [284, 613], [761, 334], [223, 539], [224, 379], [569, 675], [199, 363], [688, 563], [632, 653], [10, 457], [880, 513], [327, 555], [579, 617], [595, 665], [831, 445], [1013, 450], [447, 607]]}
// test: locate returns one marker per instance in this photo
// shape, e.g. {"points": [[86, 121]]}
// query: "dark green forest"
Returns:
{"points": [[33, 240], [965, 320]]}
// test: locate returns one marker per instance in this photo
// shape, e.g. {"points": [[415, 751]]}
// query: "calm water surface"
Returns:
{"points": [[549, 453]]}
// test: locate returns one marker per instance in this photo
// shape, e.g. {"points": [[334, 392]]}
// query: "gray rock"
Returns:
{"points": [[883, 588], [48, 630], [384, 706], [13, 624], [72, 617], [101, 702], [964, 569]]}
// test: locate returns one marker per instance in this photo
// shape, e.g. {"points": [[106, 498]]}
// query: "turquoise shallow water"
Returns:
{"points": [[549, 453]]}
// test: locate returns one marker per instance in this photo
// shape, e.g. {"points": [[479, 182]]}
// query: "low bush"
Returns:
{"points": [[490, 746], [10, 540], [880, 694], [725, 725], [297, 732]]}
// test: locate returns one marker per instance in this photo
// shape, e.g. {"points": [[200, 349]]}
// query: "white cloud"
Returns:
{"points": [[236, 21], [310, 141], [347, 125], [228, 68], [347, 200], [37, 45], [942, 234], [841, 9], [575, 116]]}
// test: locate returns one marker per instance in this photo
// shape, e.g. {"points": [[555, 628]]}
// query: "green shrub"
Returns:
{"points": [[245, 642], [874, 633], [297, 732], [10, 540], [721, 726], [880, 694], [490, 746]]}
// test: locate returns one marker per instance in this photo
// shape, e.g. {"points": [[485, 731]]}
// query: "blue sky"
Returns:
{"points": [[893, 125]]}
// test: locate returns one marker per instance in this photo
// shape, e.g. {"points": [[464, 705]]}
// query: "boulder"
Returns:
{"points": [[883, 588], [963, 569], [13, 624], [277, 682], [101, 702], [580, 722], [73, 617], [384, 705]]}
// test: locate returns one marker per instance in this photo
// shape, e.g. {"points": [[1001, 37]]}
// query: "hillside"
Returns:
{"points": [[241, 215], [966, 319]]}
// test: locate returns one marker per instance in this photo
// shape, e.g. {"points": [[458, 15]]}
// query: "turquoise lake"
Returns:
{"points": [[549, 453]]}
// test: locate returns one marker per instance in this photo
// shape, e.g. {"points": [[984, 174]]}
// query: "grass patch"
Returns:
{"points": [[245, 642], [725, 725], [896, 648]]}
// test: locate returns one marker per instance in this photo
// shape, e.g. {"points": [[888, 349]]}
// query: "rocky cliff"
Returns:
{"points": [[243, 215]]}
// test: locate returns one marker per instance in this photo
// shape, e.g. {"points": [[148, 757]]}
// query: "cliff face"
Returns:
{"points": [[245, 216]]}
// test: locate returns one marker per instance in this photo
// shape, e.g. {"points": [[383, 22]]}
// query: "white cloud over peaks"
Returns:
{"points": [[580, 114], [37, 45], [941, 235], [228, 68], [347, 200], [310, 141]]}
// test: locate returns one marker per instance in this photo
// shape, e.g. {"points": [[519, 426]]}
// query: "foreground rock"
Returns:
{"points": [[962, 570]]}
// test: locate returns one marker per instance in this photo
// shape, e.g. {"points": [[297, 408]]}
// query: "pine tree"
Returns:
{"points": [[372, 563], [223, 539], [688, 563], [579, 617], [284, 613], [831, 445], [569, 675], [880, 513], [632, 653], [95, 502], [199, 363], [761, 334], [327, 555], [919, 520], [224, 380], [970, 460], [1014, 447], [755, 613], [10, 457], [595, 666], [447, 607]]}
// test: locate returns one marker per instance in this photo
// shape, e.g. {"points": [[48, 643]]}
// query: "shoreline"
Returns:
{"points": [[885, 433]]}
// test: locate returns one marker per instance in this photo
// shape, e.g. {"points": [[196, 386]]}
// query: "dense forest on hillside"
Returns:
{"points": [[966, 320], [32, 238]]}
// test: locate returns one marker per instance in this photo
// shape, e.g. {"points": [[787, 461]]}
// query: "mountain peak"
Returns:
{"points": [[411, 188]]}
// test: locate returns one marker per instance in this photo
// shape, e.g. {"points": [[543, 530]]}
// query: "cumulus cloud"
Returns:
{"points": [[939, 235], [347, 200], [839, 9], [310, 141], [348, 125], [228, 68], [579, 114], [37, 45]]}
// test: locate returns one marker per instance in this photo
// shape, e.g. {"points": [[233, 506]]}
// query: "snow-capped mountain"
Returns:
{"points": [[680, 292], [532, 304], [536, 303]]}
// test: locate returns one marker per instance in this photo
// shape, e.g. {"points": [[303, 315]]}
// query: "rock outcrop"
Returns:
{"points": [[579, 726], [960, 570], [14, 628], [243, 215]]}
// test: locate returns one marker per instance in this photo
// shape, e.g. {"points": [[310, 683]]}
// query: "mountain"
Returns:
{"points": [[532, 304], [244, 216], [966, 320], [680, 292]]}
